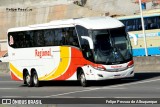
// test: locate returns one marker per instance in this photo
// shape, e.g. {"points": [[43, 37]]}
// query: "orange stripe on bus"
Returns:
{"points": [[16, 71], [14, 77]]}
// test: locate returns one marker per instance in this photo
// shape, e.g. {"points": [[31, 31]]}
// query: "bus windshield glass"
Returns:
{"points": [[111, 46]]}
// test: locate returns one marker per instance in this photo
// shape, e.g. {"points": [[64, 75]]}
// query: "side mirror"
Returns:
{"points": [[134, 38], [89, 41]]}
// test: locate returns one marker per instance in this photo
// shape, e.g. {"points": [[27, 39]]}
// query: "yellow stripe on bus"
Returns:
{"points": [[43, 77], [16, 71], [63, 65]]}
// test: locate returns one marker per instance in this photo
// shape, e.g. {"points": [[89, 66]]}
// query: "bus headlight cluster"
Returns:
{"points": [[130, 64], [101, 68]]}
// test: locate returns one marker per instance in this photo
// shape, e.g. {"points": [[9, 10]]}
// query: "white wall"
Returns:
{"points": [[3, 45], [125, 7]]}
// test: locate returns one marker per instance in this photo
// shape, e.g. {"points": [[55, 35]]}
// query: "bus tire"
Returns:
{"points": [[28, 79], [82, 79], [24, 78], [35, 80]]}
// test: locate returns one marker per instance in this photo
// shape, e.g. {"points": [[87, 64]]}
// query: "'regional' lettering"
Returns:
{"points": [[41, 53]]}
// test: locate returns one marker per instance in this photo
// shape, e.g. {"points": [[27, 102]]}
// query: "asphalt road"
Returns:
{"points": [[143, 85]]}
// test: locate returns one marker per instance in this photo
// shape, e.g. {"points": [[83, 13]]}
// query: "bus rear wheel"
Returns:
{"points": [[35, 80], [24, 79], [28, 80], [82, 79]]}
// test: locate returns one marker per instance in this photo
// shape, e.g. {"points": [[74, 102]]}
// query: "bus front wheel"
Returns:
{"points": [[82, 79]]}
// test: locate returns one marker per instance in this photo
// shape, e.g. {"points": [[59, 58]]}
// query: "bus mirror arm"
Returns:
{"points": [[134, 38], [89, 40]]}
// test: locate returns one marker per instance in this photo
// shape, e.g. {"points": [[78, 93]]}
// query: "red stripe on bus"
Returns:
{"points": [[14, 77]]}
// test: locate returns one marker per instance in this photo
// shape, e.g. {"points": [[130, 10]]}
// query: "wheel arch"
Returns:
{"points": [[79, 70]]}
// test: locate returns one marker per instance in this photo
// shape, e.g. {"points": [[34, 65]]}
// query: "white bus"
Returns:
{"points": [[95, 48]]}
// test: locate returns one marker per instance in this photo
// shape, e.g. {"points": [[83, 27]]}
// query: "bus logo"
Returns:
{"points": [[41, 53], [11, 42], [117, 66]]}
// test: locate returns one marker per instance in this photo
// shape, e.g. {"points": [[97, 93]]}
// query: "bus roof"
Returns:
{"points": [[99, 22], [145, 14], [89, 23]]}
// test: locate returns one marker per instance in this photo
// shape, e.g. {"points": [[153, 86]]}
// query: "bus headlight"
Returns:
{"points": [[130, 64], [101, 68]]}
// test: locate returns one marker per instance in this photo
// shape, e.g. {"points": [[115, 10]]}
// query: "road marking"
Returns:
{"points": [[129, 97], [7, 81], [116, 88], [105, 87], [134, 79], [7, 88], [35, 96], [57, 97], [141, 82], [72, 92], [92, 97], [12, 97]]}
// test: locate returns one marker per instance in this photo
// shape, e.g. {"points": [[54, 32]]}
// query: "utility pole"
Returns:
{"points": [[143, 29]]}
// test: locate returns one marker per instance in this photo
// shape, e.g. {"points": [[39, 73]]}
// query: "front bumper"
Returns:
{"points": [[95, 74]]}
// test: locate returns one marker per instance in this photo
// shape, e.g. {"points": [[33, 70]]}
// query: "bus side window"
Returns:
{"points": [[58, 37], [152, 23], [18, 39], [68, 36], [49, 37], [130, 25], [158, 21], [124, 22], [31, 40], [146, 23], [39, 38], [21, 40], [27, 40], [81, 32], [139, 23], [72, 38]]}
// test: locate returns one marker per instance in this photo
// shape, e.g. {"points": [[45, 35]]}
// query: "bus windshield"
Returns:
{"points": [[111, 46]]}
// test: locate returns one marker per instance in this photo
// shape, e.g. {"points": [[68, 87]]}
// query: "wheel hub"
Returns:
{"points": [[35, 80], [83, 79], [28, 78]]}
